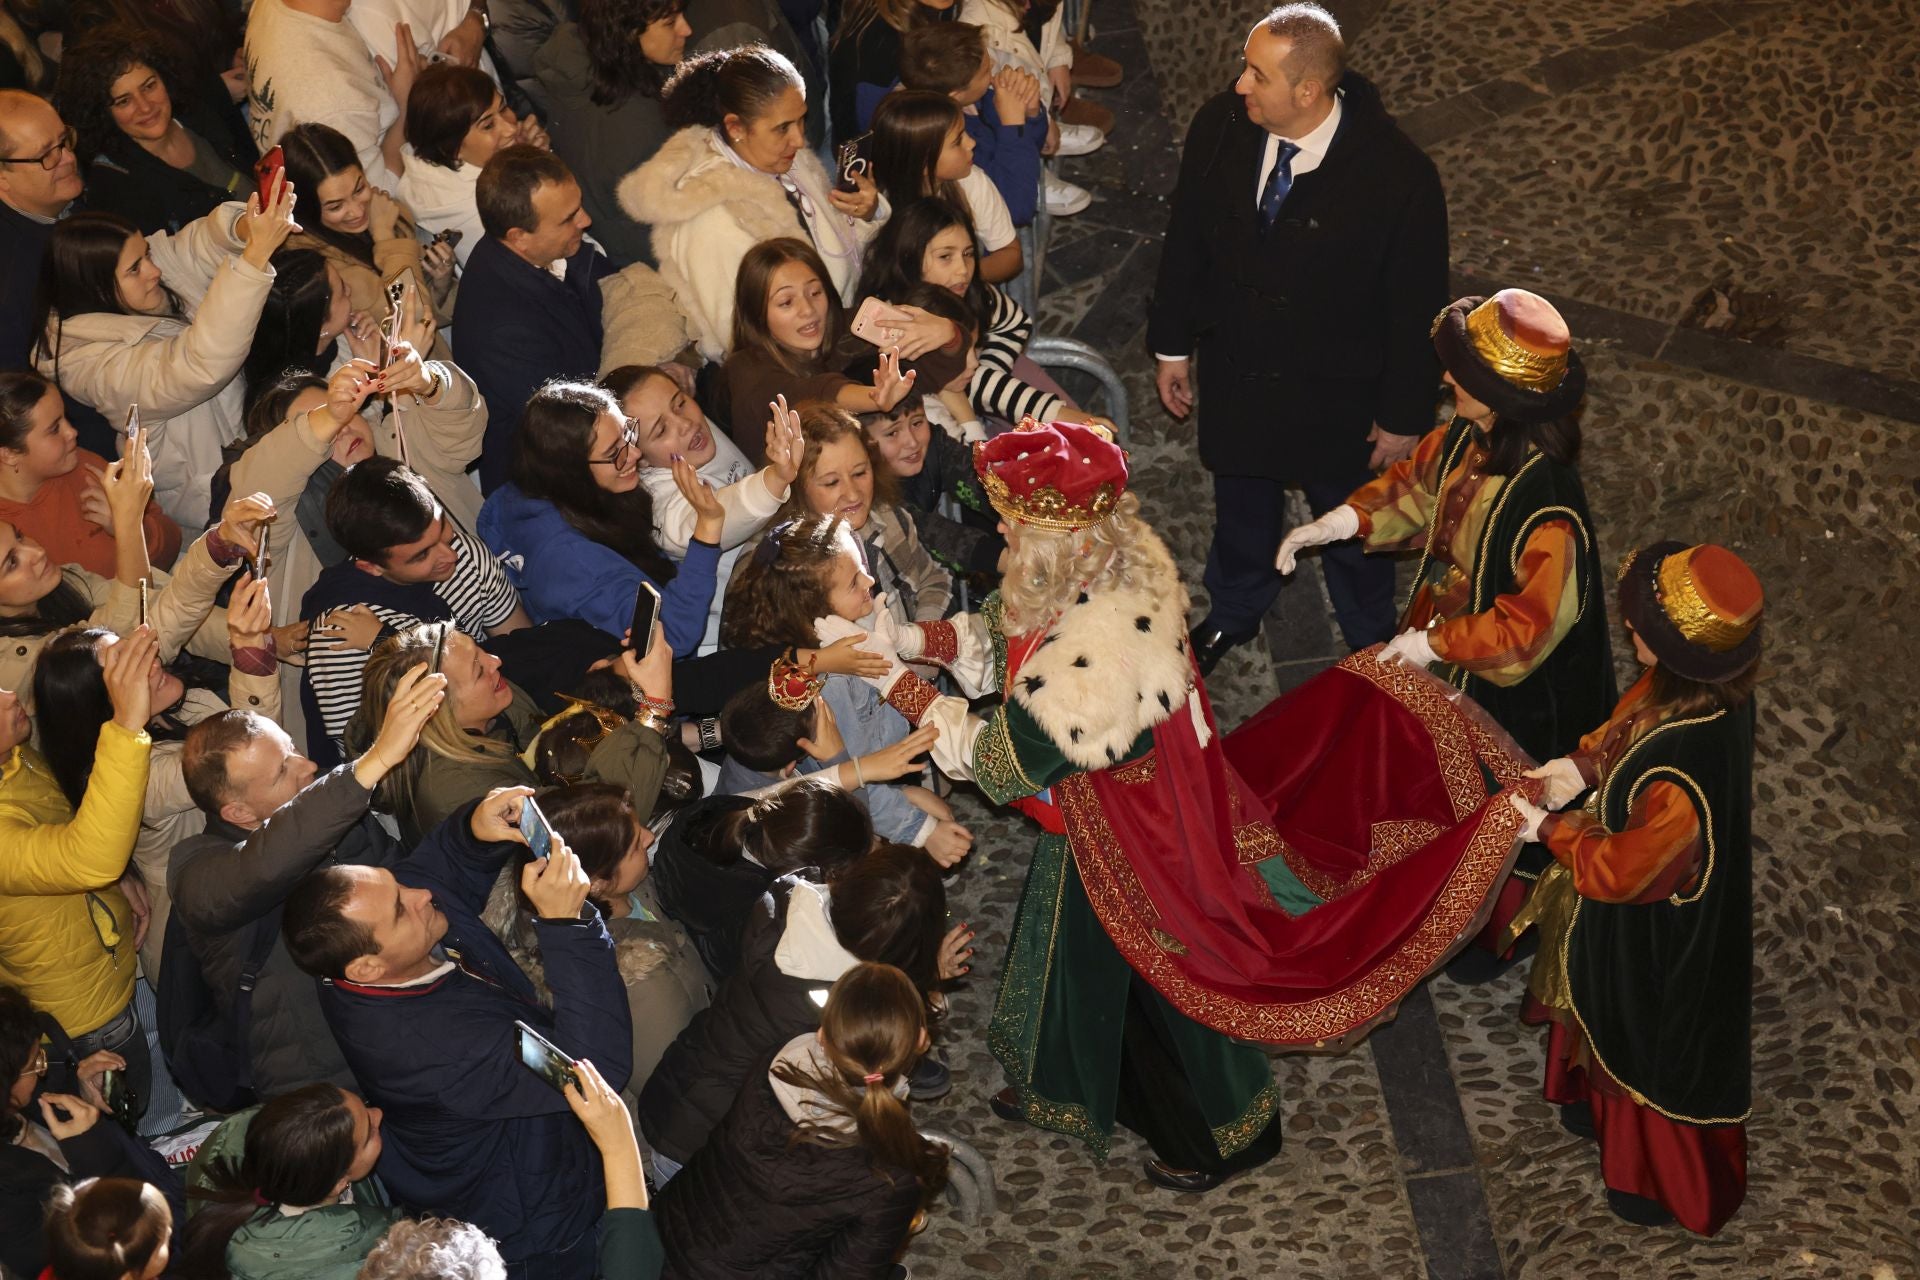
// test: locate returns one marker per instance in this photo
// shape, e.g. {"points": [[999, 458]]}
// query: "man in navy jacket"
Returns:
{"points": [[422, 998], [529, 305]]}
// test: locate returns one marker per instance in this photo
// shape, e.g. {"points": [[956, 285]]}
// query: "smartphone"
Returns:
{"points": [[143, 602], [119, 1099], [541, 1057], [258, 565], [451, 237], [878, 322], [133, 430], [646, 611], [534, 826], [267, 172], [395, 321], [440, 649], [852, 162]]}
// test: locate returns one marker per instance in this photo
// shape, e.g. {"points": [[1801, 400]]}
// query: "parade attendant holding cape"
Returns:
{"points": [[1190, 898]]}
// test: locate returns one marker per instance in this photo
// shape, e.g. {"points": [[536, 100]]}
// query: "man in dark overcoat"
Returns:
{"points": [[1304, 263]]}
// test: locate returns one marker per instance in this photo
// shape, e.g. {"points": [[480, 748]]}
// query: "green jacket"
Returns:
{"points": [[328, 1243]]}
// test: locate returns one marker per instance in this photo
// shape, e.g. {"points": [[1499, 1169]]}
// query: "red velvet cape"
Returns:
{"points": [[1375, 785]]}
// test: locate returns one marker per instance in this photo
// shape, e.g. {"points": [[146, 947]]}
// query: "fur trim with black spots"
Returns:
{"points": [[1113, 664]]}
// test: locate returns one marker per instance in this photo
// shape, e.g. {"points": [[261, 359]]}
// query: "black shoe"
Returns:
{"points": [[1006, 1105], [1210, 644], [1476, 966], [929, 1079], [1161, 1174], [1638, 1210], [1577, 1119]]}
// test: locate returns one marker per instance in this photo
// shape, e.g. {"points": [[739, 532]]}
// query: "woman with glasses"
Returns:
{"points": [[738, 172], [156, 155], [55, 1130]]}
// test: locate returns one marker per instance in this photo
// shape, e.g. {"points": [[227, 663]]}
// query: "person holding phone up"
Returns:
{"points": [[423, 1000]]}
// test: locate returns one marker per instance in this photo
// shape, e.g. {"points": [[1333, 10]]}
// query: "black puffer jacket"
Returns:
{"points": [[711, 902], [755, 1012], [754, 1204]]}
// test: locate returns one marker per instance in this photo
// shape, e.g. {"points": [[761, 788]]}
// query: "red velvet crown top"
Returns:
{"points": [[1053, 475]]}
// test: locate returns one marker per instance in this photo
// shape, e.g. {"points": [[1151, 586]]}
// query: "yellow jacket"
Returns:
{"points": [[66, 931]]}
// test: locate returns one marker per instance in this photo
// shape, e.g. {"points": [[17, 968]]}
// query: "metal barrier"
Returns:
{"points": [[1071, 353], [969, 1179]]}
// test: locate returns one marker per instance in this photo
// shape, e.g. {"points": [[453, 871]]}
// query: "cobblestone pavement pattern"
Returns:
{"points": [[1741, 169]]}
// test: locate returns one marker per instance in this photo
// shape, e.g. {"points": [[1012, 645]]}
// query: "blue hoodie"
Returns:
{"points": [[562, 573]]}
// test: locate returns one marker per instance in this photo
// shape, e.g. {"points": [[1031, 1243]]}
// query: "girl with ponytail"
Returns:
{"points": [[108, 1229], [271, 1182], [818, 1169]]}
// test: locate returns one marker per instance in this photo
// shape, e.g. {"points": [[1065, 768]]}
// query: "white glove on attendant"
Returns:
{"points": [[906, 638], [1563, 782], [1337, 525], [1411, 647], [835, 627], [1531, 815]]}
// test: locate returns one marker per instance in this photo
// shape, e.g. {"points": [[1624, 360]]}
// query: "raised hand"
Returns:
{"points": [[347, 391], [266, 227], [918, 331], [557, 884], [128, 667], [890, 386], [709, 517], [956, 948], [898, 759], [249, 614], [405, 68], [497, 817], [653, 674], [364, 340], [416, 696], [383, 215], [128, 483], [242, 518], [786, 442]]}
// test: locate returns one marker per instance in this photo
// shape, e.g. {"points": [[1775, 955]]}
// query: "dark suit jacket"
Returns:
{"points": [[1311, 332], [514, 327], [23, 243]]}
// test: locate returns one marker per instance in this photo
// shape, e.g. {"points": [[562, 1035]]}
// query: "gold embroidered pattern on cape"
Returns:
{"points": [[1331, 1021], [1167, 942], [1134, 772], [1257, 841]]}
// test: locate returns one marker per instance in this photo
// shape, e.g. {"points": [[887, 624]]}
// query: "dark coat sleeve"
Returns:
{"points": [[864, 1249], [458, 862], [630, 1247], [1417, 266], [1177, 290], [222, 886], [591, 1016]]}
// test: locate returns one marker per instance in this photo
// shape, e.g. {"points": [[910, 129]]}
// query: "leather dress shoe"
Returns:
{"points": [[1161, 1174], [1577, 1119], [1210, 644], [1638, 1210], [1006, 1105]]}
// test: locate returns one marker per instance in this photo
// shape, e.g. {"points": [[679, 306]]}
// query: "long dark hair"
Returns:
{"points": [[598, 822], [1509, 443], [61, 607], [314, 153], [891, 907], [1677, 696], [19, 1040], [871, 1027], [910, 128], [286, 338], [751, 285], [105, 1228], [811, 823], [550, 453], [298, 1148], [857, 15], [79, 276], [741, 82], [89, 66], [611, 31], [890, 269]]}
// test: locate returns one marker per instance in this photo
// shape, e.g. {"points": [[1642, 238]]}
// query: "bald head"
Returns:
{"points": [[29, 126]]}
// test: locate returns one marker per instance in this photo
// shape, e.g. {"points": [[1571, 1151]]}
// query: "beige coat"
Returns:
{"points": [[706, 210], [182, 372], [366, 286], [1007, 37]]}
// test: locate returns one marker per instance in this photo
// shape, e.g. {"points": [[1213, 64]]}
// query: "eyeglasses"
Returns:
{"points": [[629, 441], [38, 1065], [50, 158]]}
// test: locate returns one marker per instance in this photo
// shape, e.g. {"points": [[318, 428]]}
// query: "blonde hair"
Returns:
{"points": [[1048, 569]]}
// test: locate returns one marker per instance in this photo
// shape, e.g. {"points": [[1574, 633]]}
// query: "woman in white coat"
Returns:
{"points": [[738, 172], [164, 322]]}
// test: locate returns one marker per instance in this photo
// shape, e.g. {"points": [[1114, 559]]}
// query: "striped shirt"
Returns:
{"points": [[995, 390]]}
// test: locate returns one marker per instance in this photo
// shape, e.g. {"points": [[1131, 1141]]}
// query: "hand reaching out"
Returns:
{"points": [[956, 948], [844, 657], [890, 386], [898, 759], [249, 614], [949, 843], [1563, 782], [242, 519], [266, 228], [786, 443], [127, 668], [709, 517], [405, 67]]}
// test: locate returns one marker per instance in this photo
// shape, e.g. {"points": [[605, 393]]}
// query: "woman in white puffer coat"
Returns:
{"points": [[739, 172], [163, 322]]}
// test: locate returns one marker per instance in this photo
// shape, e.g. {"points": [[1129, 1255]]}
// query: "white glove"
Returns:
{"points": [[834, 627], [1410, 647], [1563, 782], [906, 638], [1337, 525], [1531, 815]]}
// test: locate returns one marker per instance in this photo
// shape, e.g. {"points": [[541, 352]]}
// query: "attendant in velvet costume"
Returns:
{"points": [[1189, 894], [1645, 971], [1507, 601]]}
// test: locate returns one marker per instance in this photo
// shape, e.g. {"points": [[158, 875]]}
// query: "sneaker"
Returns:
{"points": [[1080, 140], [1063, 198]]}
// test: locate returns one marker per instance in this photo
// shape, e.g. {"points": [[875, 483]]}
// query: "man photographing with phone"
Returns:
{"points": [[424, 1001]]}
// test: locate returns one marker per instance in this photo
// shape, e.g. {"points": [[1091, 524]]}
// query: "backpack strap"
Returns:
{"points": [[266, 931]]}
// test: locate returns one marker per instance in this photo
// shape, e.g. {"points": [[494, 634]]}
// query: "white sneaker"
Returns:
{"points": [[1079, 139], [1063, 198]]}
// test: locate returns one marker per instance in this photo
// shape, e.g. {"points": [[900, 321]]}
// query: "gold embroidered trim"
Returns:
{"points": [[1134, 772], [1256, 842], [1233, 1138], [1586, 539], [996, 764], [1706, 823], [1168, 943], [911, 696], [1046, 507], [1566, 943], [1696, 619], [1443, 723], [1507, 356], [1447, 464]]}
